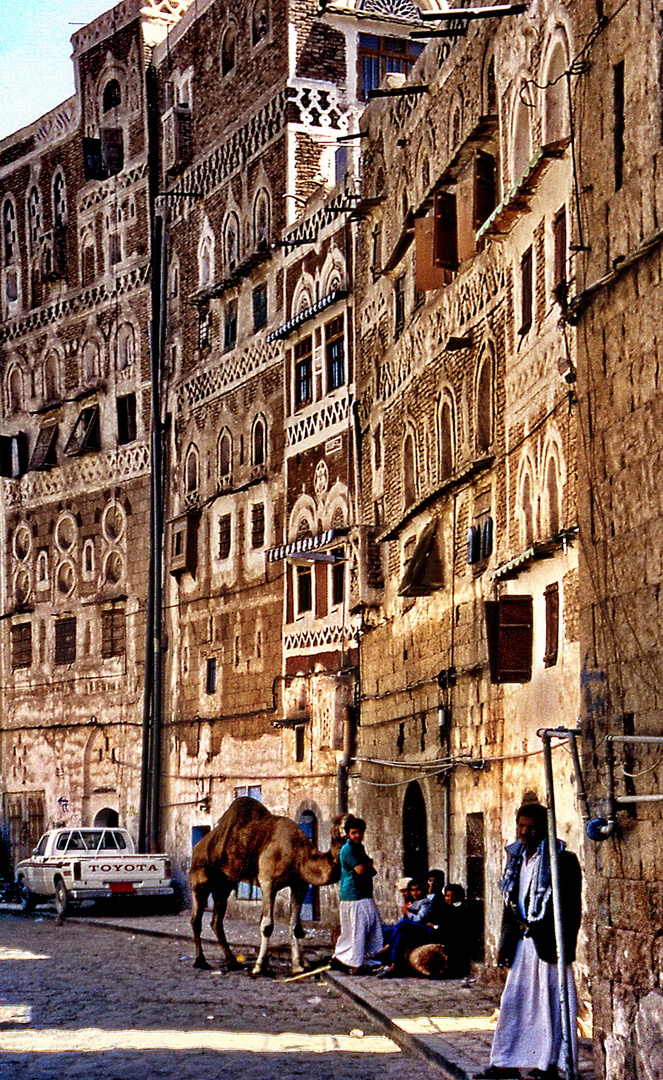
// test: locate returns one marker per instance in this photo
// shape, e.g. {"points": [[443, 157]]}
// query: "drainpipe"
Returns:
{"points": [[346, 761], [567, 1042]]}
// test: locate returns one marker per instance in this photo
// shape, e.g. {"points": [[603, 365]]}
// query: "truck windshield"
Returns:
{"points": [[91, 840], [104, 840]]}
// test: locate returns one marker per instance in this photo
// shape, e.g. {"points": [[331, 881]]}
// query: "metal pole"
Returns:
{"points": [[580, 783], [156, 515], [567, 1041]]}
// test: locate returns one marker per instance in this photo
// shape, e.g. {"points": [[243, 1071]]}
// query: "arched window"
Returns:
{"points": [[231, 242], [485, 404], [125, 347], [258, 442], [260, 21], [9, 231], [174, 291], [225, 454], [491, 88], [552, 495], [261, 221], [90, 361], [191, 471], [51, 377], [88, 261], [522, 145], [42, 568], [228, 50], [15, 390], [304, 528], [425, 174], [556, 101], [456, 128], [112, 95], [527, 512], [409, 471], [88, 558], [34, 216], [446, 444], [59, 201], [205, 261]]}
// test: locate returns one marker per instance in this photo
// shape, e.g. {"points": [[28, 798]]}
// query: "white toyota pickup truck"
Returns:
{"points": [[69, 865]]}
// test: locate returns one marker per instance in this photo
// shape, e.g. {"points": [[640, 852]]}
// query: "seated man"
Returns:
{"points": [[410, 931]]}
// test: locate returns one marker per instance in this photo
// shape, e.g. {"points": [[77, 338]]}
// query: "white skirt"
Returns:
{"points": [[529, 1030], [361, 932]]}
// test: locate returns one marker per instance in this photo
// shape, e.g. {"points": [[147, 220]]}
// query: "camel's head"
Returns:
{"points": [[338, 834]]}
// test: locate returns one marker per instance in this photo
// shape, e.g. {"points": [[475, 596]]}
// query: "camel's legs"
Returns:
{"points": [[266, 922], [201, 891], [297, 897], [221, 894]]}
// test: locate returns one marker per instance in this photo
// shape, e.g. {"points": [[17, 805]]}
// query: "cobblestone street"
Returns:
{"points": [[82, 1003]]}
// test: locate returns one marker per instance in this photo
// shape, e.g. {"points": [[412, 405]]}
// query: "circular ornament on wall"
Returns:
{"points": [[65, 533], [65, 578], [113, 522], [21, 586], [114, 568], [22, 543]]}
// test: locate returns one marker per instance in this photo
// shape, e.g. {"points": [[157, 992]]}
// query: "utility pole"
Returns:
{"points": [[150, 786]]}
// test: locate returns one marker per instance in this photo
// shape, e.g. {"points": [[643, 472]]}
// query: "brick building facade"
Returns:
{"points": [[615, 307], [409, 392]]}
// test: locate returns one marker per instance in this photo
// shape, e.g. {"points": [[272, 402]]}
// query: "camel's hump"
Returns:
{"points": [[245, 810]]}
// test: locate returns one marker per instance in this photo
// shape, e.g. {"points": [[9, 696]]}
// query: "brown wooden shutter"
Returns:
{"points": [[445, 243], [429, 276], [560, 244], [551, 598], [485, 190], [509, 625], [526, 290]]}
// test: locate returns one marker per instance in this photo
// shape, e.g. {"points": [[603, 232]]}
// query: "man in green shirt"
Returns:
{"points": [[361, 929]]}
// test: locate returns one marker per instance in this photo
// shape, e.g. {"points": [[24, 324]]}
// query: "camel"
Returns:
{"points": [[251, 844]]}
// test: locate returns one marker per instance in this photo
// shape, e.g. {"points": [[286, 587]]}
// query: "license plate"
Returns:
{"points": [[122, 886]]}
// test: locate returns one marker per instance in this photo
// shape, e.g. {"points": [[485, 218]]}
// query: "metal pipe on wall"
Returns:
{"points": [[562, 982]]}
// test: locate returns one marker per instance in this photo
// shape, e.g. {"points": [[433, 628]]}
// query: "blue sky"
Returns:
{"points": [[36, 72]]}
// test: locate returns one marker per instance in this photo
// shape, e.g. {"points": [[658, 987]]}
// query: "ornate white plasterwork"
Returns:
{"points": [[77, 477]]}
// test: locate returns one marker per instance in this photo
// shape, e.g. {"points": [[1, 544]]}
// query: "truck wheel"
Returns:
{"points": [[28, 898], [61, 898]]}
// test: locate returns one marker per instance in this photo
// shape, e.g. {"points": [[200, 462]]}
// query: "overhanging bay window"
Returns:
{"points": [[378, 56]]}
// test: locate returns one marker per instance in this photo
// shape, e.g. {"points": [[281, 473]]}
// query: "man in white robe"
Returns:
{"points": [[529, 1030]]}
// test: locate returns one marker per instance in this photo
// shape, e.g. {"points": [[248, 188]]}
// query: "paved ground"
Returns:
{"points": [[80, 1003], [128, 977]]}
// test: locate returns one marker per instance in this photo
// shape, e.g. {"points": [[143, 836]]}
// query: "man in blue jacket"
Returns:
{"points": [[529, 1030]]}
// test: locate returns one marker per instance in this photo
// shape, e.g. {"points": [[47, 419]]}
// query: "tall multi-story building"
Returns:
{"points": [[615, 307], [75, 376], [222, 124], [468, 418]]}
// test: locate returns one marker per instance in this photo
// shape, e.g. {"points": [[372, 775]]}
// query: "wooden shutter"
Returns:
{"points": [[509, 625], [551, 598], [526, 290], [429, 275], [445, 243], [485, 187], [92, 165], [43, 455], [112, 150]]}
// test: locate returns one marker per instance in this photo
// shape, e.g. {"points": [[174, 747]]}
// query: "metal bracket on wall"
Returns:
{"points": [[631, 740]]}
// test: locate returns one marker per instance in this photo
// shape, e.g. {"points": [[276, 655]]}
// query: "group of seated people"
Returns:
{"points": [[431, 914]]}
